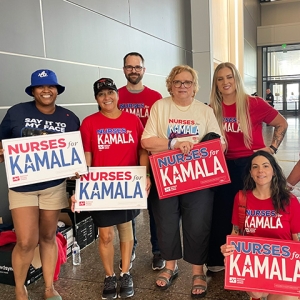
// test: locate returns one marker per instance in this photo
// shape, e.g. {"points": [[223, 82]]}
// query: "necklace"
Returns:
{"points": [[183, 110]]}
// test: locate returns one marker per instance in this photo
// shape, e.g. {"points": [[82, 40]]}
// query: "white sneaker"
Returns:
{"points": [[132, 257], [131, 260], [216, 269]]}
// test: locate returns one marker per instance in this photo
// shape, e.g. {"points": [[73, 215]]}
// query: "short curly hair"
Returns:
{"points": [[177, 70]]}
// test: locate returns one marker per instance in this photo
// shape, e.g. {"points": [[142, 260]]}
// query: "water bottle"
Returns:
{"points": [[76, 254]]}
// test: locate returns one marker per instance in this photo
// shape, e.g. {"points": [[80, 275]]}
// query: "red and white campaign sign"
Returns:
{"points": [[111, 188], [261, 264], [43, 157], [176, 173]]}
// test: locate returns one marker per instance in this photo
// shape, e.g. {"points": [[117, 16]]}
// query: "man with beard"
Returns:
{"points": [[138, 99]]}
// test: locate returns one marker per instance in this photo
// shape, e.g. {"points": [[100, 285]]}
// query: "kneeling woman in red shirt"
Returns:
{"points": [[265, 190]]}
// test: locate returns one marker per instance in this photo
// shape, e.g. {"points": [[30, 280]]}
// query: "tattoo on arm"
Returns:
{"points": [[236, 229], [278, 135]]}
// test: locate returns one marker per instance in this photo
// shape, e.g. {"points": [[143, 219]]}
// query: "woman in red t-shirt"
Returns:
{"points": [[267, 202], [240, 117], [111, 138]]}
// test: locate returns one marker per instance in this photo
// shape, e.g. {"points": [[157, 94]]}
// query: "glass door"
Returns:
{"points": [[286, 96], [292, 97], [277, 91]]}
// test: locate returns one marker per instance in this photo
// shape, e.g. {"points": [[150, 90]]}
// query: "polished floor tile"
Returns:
{"points": [[85, 282]]}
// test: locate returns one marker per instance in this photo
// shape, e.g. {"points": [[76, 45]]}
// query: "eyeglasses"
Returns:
{"points": [[187, 84], [136, 68]]}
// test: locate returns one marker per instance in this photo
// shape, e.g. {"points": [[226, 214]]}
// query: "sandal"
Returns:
{"points": [[199, 286], [55, 297], [168, 281]]}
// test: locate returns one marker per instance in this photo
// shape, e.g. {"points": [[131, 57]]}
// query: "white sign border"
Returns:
{"points": [[118, 204], [42, 175]]}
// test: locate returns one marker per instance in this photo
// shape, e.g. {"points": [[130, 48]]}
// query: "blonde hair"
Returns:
{"points": [[242, 103], [178, 69]]}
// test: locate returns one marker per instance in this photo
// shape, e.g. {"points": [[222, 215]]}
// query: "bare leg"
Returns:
{"points": [[106, 249], [48, 248], [271, 297], [281, 297], [257, 294], [25, 221], [171, 265], [198, 270]]}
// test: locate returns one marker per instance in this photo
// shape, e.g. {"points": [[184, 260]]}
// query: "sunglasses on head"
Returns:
{"points": [[105, 82]]}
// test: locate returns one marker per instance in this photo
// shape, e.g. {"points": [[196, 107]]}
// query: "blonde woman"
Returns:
{"points": [[180, 122], [240, 117]]}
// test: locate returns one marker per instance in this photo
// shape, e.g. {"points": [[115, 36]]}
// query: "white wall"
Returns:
{"points": [[251, 21], [83, 40], [280, 23]]}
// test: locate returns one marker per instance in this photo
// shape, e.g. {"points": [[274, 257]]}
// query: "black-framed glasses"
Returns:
{"points": [[187, 84], [136, 68]]}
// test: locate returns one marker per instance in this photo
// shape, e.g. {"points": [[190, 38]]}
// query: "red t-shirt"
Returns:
{"points": [[112, 142], [260, 111], [263, 221], [138, 103]]}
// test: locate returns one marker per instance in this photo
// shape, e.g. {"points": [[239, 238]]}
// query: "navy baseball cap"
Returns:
{"points": [[44, 77], [104, 83]]}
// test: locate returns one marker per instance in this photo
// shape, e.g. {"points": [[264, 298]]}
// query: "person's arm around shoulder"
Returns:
{"points": [[294, 176]]}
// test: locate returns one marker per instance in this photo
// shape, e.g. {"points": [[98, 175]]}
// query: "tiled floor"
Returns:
{"points": [[85, 281]]}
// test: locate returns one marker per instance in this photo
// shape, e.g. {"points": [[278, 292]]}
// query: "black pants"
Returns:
{"points": [[222, 210], [194, 210]]}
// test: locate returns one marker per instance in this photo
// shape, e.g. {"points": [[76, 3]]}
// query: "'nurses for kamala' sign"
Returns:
{"points": [[43, 157], [261, 264], [176, 173], [111, 188]]}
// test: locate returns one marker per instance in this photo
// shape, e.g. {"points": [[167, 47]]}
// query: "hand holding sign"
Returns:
{"points": [[111, 188], [148, 185], [262, 264], [42, 158], [185, 147], [73, 203], [177, 172]]}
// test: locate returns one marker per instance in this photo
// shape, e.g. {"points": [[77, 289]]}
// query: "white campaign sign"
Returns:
{"points": [[111, 188], [42, 158]]}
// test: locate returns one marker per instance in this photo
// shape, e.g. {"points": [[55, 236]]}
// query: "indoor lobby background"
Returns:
{"points": [[83, 40]]}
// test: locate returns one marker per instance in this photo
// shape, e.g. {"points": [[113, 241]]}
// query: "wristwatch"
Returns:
{"points": [[273, 148]]}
